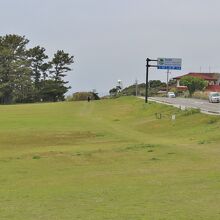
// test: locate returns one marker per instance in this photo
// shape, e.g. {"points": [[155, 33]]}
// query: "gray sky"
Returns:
{"points": [[111, 39]]}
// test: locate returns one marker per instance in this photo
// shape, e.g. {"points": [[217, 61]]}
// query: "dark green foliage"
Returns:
{"points": [[154, 87], [140, 147], [114, 91], [61, 62], [27, 75], [172, 83], [154, 158], [193, 83], [37, 58], [83, 96], [52, 91], [156, 84], [131, 90], [36, 157], [15, 72]]}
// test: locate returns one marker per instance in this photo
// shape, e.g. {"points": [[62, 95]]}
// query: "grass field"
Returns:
{"points": [[108, 160]]}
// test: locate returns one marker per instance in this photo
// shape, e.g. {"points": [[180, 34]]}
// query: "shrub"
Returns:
{"points": [[82, 96], [200, 95], [36, 157], [193, 83], [191, 111]]}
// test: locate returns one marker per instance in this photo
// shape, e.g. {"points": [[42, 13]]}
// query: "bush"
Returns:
{"points": [[193, 83], [200, 95], [36, 157], [191, 111], [82, 96]]}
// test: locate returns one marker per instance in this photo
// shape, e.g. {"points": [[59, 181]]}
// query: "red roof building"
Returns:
{"points": [[213, 88], [206, 76], [213, 80]]}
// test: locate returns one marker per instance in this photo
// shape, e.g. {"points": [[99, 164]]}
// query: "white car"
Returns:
{"points": [[171, 95], [214, 97]]}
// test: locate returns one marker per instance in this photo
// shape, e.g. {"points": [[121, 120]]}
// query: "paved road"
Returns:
{"points": [[183, 103]]}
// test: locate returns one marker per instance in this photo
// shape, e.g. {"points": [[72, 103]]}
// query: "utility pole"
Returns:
{"points": [[136, 87], [168, 71]]}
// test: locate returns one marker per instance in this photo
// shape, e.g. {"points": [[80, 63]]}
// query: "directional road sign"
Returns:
{"points": [[169, 63]]}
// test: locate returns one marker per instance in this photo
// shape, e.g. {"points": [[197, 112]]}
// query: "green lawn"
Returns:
{"points": [[109, 159]]}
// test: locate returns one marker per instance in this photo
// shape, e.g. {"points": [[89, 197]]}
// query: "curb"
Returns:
{"points": [[182, 107]]}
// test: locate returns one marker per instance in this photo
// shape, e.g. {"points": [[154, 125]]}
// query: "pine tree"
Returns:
{"points": [[14, 67], [60, 63]]}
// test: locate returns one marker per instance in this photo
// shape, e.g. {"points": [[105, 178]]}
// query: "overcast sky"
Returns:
{"points": [[111, 39]]}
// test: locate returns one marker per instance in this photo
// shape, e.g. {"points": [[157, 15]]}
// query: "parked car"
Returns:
{"points": [[171, 95], [214, 97]]}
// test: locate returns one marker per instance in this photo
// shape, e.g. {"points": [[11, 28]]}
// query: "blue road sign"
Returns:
{"points": [[169, 63]]}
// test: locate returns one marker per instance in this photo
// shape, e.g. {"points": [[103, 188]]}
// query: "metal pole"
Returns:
{"points": [[146, 92], [167, 80], [147, 69], [136, 87]]}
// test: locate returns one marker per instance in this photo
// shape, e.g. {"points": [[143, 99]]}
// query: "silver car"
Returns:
{"points": [[214, 97], [171, 95]]}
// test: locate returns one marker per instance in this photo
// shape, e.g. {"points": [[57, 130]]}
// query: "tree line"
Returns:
{"points": [[192, 83], [28, 75], [154, 87]]}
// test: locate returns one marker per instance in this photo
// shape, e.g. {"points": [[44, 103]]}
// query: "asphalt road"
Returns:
{"points": [[203, 105]]}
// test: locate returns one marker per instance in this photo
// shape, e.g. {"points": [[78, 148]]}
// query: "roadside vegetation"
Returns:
{"points": [[108, 159], [196, 89], [193, 84], [154, 87]]}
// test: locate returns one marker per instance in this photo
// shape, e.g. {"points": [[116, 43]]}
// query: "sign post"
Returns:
{"points": [[147, 67], [164, 64]]}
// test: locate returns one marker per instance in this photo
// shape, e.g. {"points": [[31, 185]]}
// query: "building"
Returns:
{"points": [[213, 80]]}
